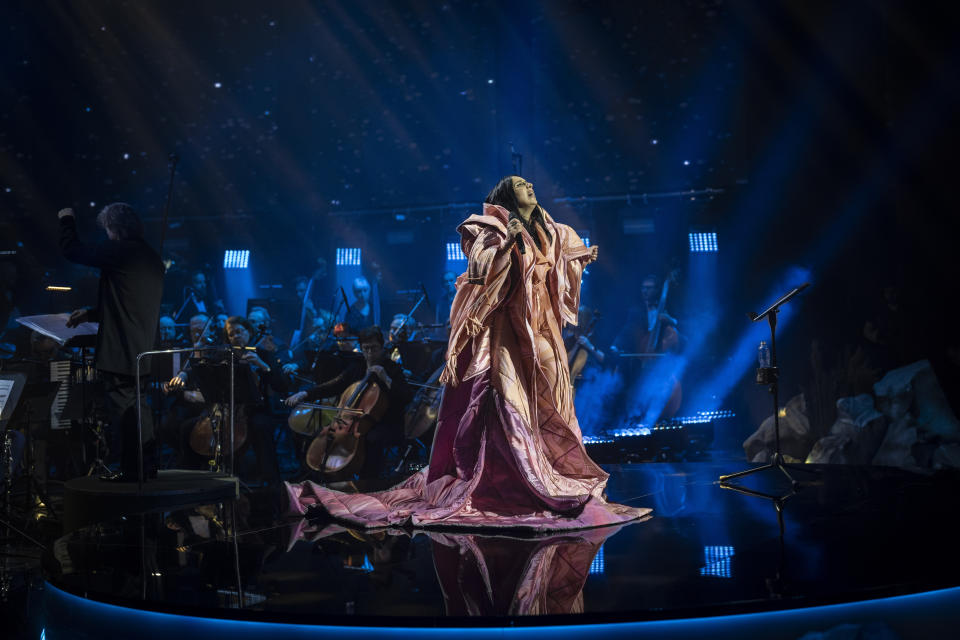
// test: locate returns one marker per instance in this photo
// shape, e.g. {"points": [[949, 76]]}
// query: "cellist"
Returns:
{"points": [[389, 375]]}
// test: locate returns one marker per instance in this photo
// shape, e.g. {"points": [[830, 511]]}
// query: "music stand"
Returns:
{"points": [[328, 364], [36, 400], [140, 364], [14, 384], [771, 376], [222, 382]]}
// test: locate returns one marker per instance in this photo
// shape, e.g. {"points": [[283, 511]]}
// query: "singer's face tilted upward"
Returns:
{"points": [[524, 192]]}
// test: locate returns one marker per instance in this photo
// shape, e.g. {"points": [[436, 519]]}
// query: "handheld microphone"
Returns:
{"points": [[520, 245]]}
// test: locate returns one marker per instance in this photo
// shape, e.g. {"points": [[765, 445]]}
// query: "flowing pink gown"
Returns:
{"points": [[508, 451]]}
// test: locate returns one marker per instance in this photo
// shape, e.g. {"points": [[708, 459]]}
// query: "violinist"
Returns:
{"points": [[389, 375], [200, 329], [402, 329], [263, 336], [303, 354]]}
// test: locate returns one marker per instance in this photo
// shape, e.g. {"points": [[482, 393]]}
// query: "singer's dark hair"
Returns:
{"points": [[122, 220], [504, 196]]}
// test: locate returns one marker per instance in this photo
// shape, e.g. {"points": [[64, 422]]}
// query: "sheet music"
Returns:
{"points": [[54, 326], [6, 386]]}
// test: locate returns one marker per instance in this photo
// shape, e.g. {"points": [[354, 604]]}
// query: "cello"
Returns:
{"points": [[339, 446], [422, 413]]}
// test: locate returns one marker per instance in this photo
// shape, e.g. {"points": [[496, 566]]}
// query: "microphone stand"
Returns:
{"points": [[771, 376]]}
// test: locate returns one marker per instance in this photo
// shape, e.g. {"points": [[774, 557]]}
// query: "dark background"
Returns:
{"points": [[827, 132]]}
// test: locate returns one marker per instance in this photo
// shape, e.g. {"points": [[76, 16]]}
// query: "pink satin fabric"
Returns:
{"points": [[508, 451]]}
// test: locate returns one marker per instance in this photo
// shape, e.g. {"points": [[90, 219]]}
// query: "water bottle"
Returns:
{"points": [[763, 355]]}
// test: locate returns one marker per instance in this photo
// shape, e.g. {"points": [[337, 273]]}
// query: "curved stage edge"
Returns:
{"points": [[863, 546], [930, 614]]}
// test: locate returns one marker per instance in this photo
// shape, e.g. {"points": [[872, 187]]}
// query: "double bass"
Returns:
{"points": [[339, 446], [656, 343], [660, 340]]}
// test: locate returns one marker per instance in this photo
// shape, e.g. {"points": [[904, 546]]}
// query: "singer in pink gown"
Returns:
{"points": [[507, 452]]}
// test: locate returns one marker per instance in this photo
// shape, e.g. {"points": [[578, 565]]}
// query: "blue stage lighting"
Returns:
{"points": [[703, 242], [716, 562], [348, 257], [454, 252], [236, 259], [597, 566], [70, 614]]}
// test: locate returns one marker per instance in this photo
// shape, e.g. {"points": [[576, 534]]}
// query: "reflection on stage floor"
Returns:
{"points": [[851, 534]]}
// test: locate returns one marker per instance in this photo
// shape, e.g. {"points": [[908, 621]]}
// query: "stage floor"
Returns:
{"points": [[851, 534]]}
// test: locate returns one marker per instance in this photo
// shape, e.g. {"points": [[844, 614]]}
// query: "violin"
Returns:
{"points": [[339, 446], [422, 413], [266, 341]]}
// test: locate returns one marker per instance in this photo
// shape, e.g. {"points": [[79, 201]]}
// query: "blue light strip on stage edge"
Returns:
{"points": [[931, 614]]}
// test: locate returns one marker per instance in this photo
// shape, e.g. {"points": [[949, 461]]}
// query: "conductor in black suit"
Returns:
{"points": [[131, 285]]}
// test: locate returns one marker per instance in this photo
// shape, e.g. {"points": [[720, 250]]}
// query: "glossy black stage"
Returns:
{"points": [[852, 534]]}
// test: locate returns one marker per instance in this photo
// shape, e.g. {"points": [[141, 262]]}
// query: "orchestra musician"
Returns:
{"points": [[649, 334], [263, 336], [361, 312], [130, 288], [167, 337], [449, 291], [389, 375], [205, 299], [641, 320], [218, 328], [239, 332], [303, 354]]}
